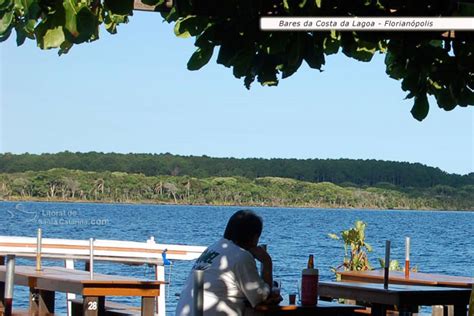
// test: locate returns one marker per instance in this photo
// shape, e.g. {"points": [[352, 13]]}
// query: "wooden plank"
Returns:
{"points": [[415, 278], [400, 295], [148, 306], [122, 291], [75, 281]]}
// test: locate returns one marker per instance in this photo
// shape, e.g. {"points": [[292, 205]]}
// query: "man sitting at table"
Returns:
{"points": [[230, 272]]}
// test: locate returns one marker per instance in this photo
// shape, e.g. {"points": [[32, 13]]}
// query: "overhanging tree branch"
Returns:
{"points": [[428, 63]]}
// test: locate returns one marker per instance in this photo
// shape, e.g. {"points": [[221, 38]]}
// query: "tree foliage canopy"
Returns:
{"points": [[425, 63], [345, 172]]}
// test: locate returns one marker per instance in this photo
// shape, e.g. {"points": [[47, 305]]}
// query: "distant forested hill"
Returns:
{"points": [[345, 172]]}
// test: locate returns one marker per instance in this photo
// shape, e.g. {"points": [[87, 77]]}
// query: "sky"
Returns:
{"points": [[131, 92]]}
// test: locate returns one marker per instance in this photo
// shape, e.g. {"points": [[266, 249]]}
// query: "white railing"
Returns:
{"points": [[132, 252]]}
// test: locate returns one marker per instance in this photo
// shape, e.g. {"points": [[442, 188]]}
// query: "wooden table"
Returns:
{"points": [[322, 308], [415, 278], [43, 285], [406, 297]]}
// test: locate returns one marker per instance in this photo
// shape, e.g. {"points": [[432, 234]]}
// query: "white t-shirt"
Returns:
{"points": [[230, 279]]}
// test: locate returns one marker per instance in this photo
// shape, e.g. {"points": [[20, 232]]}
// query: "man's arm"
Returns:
{"points": [[260, 254]]}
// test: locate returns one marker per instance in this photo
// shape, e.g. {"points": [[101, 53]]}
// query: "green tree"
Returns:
{"points": [[425, 63]]}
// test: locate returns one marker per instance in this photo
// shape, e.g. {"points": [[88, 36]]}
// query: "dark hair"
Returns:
{"points": [[243, 226]]}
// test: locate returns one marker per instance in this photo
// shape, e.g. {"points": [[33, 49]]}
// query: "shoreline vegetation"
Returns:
{"points": [[203, 180], [156, 202], [63, 185]]}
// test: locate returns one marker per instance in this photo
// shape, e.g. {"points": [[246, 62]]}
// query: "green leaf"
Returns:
{"points": [[318, 3], [333, 236], [410, 82], [53, 37], [313, 52], [71, 13], [421, 107], [20, 36], [276, 42], [267, 74], [120, 7], [190, 26], [331, 43], [200, 57], [226, 54], [6, 34], [248, 81], [303, 3], [394, 68], [369, 247], [465, 8], [445, 100], [243, 62], [87, 25], [19, 7], [5, 21], [394, 265], [6, 4], [153, 2], [49, 37], [64, 48]]}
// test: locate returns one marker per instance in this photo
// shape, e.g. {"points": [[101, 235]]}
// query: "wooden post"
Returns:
{"points": [[148, 306], [93, 305]]}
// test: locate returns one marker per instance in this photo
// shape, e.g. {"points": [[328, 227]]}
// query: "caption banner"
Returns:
{"points": [[366, 24]]}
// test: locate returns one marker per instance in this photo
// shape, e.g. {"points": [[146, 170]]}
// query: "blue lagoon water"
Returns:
{"points": [[441, 242]]}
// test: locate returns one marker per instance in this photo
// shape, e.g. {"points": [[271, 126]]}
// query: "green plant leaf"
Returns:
{"points": [[190, 26], [331, 43], [243, 62], [420, 107], [153, 2], [20, 36], [6, 34], [5, 21], [71, 13], [120, 7], [200, 57], [5, 4]]}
